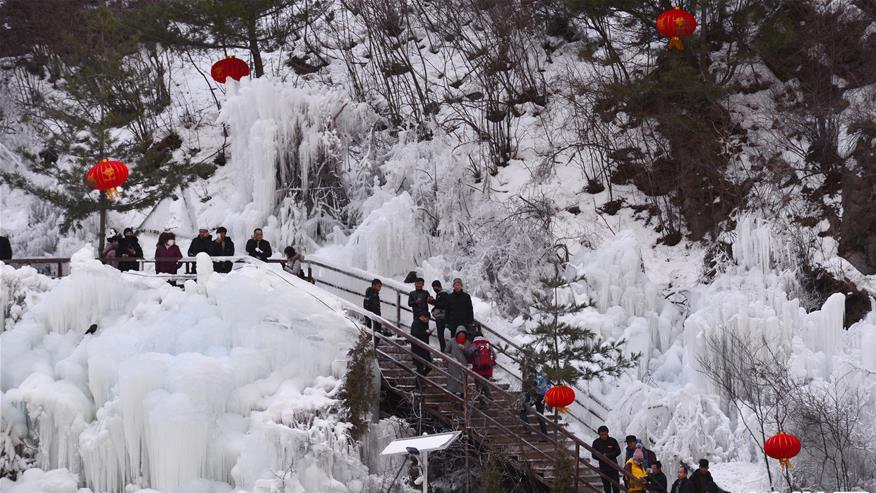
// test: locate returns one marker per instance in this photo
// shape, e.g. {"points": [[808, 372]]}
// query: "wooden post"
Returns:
{"points": [[60, 269], [398, 308], [577, 463]]}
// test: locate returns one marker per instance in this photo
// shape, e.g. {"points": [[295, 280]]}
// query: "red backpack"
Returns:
{"points": [[484, 358]]}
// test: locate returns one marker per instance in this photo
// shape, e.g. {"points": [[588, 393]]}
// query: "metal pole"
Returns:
{"points": [[425, 472], [465, 429]]}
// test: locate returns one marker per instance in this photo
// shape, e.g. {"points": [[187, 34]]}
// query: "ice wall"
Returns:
{"points": [[178, 387], [683, 424], [20, 288], [615, 284], [390, 241], [280, 136], [750, 299]]}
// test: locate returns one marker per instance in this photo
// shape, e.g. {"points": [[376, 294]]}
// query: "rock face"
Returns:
{"points": [[857, 242]]}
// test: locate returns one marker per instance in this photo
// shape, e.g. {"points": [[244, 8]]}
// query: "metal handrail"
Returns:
{"points": [[494, 388], [468, 373], [493, 333]]}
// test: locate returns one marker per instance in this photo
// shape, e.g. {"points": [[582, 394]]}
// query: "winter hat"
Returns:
{"points": [[639, 455]]}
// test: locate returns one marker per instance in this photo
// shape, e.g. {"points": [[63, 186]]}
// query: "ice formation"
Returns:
{"points": [[223, 384], [667, 401], [280, 136], [388, 242]]}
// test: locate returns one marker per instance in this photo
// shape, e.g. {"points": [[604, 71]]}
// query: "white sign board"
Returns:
{"points": [[425, 443]]}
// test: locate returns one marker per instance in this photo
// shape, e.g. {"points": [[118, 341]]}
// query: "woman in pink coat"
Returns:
{"points": [[167, 248]]}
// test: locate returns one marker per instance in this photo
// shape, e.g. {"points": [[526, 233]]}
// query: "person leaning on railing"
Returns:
{"points": [[222, 247], [111, 251], [201, 243], [167, 249], [129, 248], [258, 247]]}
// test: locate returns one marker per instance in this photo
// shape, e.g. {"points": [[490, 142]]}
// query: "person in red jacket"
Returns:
{"points": [[483, 359], [167, 248]]}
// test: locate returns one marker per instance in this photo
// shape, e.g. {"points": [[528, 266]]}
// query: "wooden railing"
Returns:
{"points": [[58, 262]]}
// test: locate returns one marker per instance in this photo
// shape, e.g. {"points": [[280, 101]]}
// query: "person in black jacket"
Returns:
{"points": [[682, 484], [657, 482], [459, 309], [372, 302], [439, 311], [418, 299], [609, 447], [129, 247], [701, 480], [201, 243], [5, 248], [420, 329], [222, 246], [258, 247]]}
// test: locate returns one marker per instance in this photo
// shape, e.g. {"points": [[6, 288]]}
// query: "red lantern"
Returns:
{"points": [[107, 175], [559, 397], [675, 24], [229, 67], [782, 447]]}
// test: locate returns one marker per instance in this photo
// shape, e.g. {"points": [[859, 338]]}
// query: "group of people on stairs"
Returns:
{"points": [[451, 312], [643, 472]]}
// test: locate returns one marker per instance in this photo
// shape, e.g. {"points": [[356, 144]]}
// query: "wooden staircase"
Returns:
{"points": [[494, 424]]}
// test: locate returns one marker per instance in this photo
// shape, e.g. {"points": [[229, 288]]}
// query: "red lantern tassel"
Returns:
{"points": [[675, 42], [785, 463], [113, 194], [564, 410]]}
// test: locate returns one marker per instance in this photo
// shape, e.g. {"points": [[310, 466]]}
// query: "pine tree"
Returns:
{"points": [[253, 25], [491, 477], [358, 393], [565, 352], [99, 94], [564, 474]]}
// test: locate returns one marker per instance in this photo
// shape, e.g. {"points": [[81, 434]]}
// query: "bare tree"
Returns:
{"points": [[750, 373], [830, 420]]}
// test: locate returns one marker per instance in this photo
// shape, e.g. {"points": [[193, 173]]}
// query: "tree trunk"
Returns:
{"points": [[101, 241], [251, 33]]}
